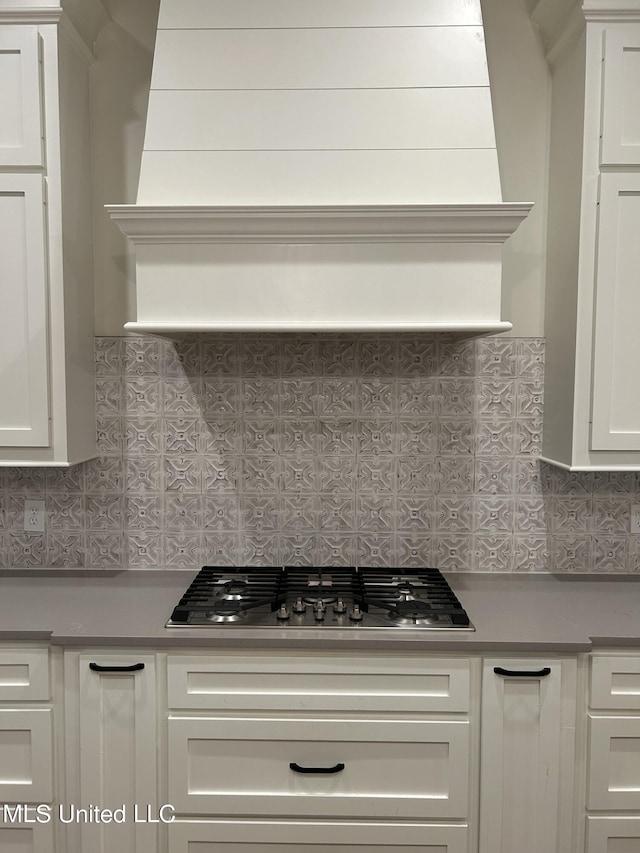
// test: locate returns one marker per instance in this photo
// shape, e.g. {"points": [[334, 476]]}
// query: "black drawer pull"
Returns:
{"points": [[299, 769], [135, 667], [523, 673]]}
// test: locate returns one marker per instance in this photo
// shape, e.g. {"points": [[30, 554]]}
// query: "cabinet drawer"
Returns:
{"points": [[24, 674], [308, 682], [315, 837], [26, 838], [615, 682], [615, 834], [25, 756], [614, 763], [394, 768]]}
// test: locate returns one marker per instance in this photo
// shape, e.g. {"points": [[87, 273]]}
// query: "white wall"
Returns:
{"points": [[521, 90]]}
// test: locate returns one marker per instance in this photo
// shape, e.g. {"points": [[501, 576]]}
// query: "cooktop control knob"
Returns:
{"points": [[356, 614], [283, 613], [319, 610], [299, 606], [339, 606]]}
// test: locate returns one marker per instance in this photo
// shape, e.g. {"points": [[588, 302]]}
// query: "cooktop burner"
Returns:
{"points": [[331, 597]]}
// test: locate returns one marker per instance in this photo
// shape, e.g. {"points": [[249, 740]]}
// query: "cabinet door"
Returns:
{"points": [[217, 836], [24, 394], [615, 401], [25, 756], [520, 757], [372, 768], [117, 714], [614, 763], [620, 101], [21, 124]]}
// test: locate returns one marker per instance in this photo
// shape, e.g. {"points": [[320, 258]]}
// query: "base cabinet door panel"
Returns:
{"points": [[408, 769], [613, 835], [315, 837], [26, 774], [522, 737], [116, 706]]}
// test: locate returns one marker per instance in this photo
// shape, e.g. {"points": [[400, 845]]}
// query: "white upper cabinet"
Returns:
{"points": [[592, 408], [46, 280]]}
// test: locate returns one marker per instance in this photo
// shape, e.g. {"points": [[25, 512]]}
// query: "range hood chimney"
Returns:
{"points": [[319, 166]]}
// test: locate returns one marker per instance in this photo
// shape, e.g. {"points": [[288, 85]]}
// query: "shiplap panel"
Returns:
{"points": [[176, 14], [319, 177], [320, 58], [319, 119]]}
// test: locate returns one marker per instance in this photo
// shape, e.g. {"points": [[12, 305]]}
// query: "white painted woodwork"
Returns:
{"points": [[591, 418], [26, 755], [24, 358], [317, 683], [616, 408], [290, 106], [26, 838], [319, 286], [216, 836], [325, 119], [117, 749], [620, 101], [240, 14], [320, 58], [522, 721], [614, 763], [408, 769], [318, 268], [374, 177], [20, 128], [613, 834], [615, 682], [24, 675], [47, 387]]}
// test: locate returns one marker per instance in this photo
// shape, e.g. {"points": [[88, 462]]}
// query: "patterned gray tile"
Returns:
{"points": [[417, 355], [109, 437], [454, 514], [496, 398], [531, 553], [377, 356], [260, 549], [182, 550], [143, 356], [496, 357], [26, 549], [454, 553], [336, 549], [376, 436], [336, 474], [493, 514], [109, 358], [181, 396], [143, 512], [144, 550], [415, 550], [530, 352], [221, 473], [143, 473], [259, 436], [337, 397], [375, 550], [181, 435], [296, 549], [142, 436], [337, 356], [299, 474], [456, 436], [492, 553], [259, 355], [299, 396], [417, 474], [376, 396], [142, 397], [104, 511], [221, 549], [376, 474], [336, 512], [220, 512], [298, 513], [221, 355], [375, 514], [183, 473], [220, 435], [455, 476], [300, 356], [456, 357], [222, 396], [495, 438], [109, 396], [416, 514], [457, 397], [107, 551], [259, 512], [417, 436], [610, 553], [65, 550], [182, 512], [66, 511]]}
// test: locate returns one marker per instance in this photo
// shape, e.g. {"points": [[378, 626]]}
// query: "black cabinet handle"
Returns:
{"points": [[299, 769], [523, 673], [135, 667]]}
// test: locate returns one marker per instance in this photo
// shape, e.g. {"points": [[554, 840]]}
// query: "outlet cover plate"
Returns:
{"points": [[34, 516]]}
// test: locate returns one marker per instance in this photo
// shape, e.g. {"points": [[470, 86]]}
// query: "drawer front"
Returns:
{"points": [[308, 682], [25, 756], [315, 837], [24, 675], [399, 768], [615, 683], [25, 838], [614, 763], [613, 834]]}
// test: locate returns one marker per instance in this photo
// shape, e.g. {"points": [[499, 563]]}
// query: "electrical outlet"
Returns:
{"points": [[34, 516], [635, 518]]}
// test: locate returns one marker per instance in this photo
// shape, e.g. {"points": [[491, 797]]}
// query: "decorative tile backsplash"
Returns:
{"points": [[280, 449]]}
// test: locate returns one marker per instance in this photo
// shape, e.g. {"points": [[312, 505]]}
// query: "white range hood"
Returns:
{"points": [[319, 166]]}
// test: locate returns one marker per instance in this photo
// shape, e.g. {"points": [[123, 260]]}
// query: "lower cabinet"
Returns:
{"points": [[111, 757], [527, 755], [613, 783]]}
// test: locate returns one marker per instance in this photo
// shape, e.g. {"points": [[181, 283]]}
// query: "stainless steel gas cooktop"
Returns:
{"points": [[336, 597]]}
